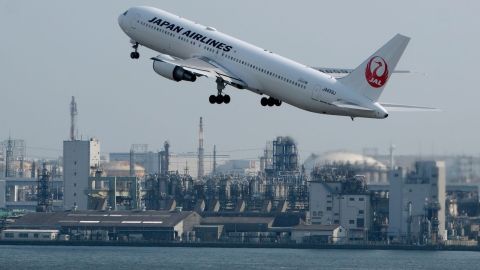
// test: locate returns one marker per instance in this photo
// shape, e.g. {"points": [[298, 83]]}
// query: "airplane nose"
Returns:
{"points": [[120, 20], [386, 115]]}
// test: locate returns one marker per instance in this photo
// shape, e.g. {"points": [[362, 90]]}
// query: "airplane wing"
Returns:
{"points": [[203, 66], [342, 72], [407, 108]]}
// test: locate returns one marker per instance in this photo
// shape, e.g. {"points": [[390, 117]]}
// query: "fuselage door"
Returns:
{"points": [[317, 93]]}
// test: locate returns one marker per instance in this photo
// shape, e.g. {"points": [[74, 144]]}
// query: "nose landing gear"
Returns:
{"points": [[135, 54]]}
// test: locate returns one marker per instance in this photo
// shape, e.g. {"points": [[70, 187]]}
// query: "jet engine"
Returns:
{"points": [[173, 72]]}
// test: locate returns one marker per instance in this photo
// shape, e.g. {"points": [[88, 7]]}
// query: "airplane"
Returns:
{"points": [[189, 50]]}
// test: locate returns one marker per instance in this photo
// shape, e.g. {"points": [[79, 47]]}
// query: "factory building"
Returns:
{"points": [[339, 197], [208, 233], [247, 228], [29, 235], [114, 225], [80, 161], [417, 203], [21, 193], [113, 193], [241, 224], [333, 204]]}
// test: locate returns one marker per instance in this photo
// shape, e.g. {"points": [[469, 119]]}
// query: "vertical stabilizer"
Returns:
{"points": [[372, 75]]}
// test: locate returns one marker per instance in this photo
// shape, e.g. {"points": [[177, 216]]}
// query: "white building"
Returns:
{"points": [[29, 235], [335, 203], [327, 234], [414, 196], [80, 159]]}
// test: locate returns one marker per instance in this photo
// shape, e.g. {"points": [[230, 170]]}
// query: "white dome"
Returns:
{"points": [[121, 168], [342, 157]]}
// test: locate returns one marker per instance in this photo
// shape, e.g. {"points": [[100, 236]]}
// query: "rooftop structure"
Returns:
{"points": [[73, 120]]}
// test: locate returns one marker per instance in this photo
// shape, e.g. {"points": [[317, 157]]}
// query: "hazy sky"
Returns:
{"points": [[51, 50]]}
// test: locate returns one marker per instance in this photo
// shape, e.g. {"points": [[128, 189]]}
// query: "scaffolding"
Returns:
{"points": [[164, 159], [15, 150], [44, 198]]}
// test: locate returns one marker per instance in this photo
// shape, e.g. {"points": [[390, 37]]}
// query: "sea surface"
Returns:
{"points": [[97, 258]]}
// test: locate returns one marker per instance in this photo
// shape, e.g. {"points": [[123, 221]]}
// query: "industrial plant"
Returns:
{"points": [[147, 196]]}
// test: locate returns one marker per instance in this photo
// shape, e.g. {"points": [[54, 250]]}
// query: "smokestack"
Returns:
{"points": [[164, 159], [392, 157], [167, 156], [200, 150], [73, 120]]}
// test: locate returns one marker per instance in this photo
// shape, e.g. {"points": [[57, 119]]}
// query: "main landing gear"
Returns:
{"points": [[135, 54], [270, 102], [219, 98]]}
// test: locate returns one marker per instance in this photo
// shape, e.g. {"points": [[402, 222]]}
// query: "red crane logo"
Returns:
{"points": [[376, 72]]}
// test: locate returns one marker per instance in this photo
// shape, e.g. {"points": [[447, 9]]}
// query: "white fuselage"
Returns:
{"points": [[262, 71]]}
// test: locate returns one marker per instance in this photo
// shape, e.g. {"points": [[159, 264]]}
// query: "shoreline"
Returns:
{"points": [[240, 245]]}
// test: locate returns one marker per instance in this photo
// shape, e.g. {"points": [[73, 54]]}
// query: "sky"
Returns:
{"points": [[54, 49]]}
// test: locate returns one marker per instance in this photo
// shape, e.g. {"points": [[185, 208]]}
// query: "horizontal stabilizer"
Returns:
{"points": [[342, 72], [407, 108], [350, 106]]}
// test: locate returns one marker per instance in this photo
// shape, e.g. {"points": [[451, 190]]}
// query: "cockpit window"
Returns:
{"points": [[124, 14]]}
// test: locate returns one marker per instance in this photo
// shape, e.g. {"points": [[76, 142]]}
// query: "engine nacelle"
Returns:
{"points": [[173, 72]]}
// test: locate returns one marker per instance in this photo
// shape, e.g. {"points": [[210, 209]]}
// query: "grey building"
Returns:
{"points": [[114, 225], [417, 203], [80, 160]]}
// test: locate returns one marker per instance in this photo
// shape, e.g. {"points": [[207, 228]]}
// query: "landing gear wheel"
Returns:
{"points": [[226, 99], [134, 55], [219, 99], [212, 99], [264, 101], [278, 103], [270, 102]]}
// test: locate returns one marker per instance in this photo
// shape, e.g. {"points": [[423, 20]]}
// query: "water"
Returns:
{"points": [[96, 258]]}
